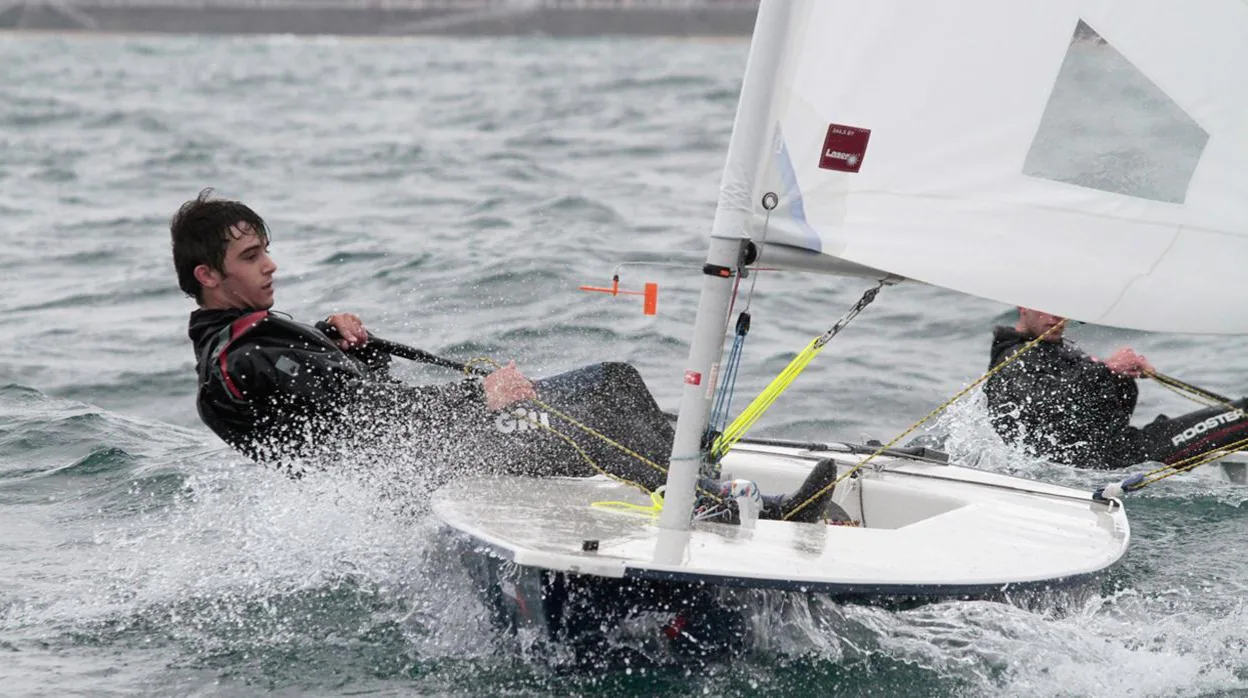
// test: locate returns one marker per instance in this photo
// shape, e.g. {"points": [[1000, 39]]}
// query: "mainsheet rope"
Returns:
{"points": [[1189, 391]]}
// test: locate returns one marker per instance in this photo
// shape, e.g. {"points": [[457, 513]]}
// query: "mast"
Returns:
{"points": [[729, 233]]}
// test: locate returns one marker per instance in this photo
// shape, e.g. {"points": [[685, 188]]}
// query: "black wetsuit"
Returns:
{"points": [[1064, 406], [277, 389]]}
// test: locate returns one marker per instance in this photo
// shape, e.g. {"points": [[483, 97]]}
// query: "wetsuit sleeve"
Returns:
{"points": [[291, 374], [310, 382]]}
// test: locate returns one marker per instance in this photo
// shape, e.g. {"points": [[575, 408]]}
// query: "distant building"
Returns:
{"points": [[388, 17]]}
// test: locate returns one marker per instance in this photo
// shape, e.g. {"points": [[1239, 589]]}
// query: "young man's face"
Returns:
{"points": [[248, 278]]}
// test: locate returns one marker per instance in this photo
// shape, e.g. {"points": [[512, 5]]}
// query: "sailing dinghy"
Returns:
{"points": [[1084, 157]]}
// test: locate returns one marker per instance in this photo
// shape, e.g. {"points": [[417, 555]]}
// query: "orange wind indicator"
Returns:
{"points": [[650, 301]]}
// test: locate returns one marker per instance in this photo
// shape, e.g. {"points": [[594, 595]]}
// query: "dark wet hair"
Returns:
{"points": [[201, 231]]}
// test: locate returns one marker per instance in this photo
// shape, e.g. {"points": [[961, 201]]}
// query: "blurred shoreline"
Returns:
{"points": [[566, 18]]}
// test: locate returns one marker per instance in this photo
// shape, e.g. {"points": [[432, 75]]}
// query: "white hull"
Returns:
{"points": [[928, 530]]}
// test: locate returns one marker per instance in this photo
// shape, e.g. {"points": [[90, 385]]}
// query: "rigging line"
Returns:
{"points": [[993, 371], [723, 403], [652, 511], [727, 385], [781, 382], [862, 303], [1197, 398], [764, 401], [1181, 387], [1141, 480], [762, 244], [610, 442], [1190, 463], [723, 396]]}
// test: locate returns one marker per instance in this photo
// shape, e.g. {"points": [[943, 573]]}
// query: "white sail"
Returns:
{"points": [[1085, 157]]}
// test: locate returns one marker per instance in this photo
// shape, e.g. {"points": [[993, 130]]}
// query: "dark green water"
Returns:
{"points": [[454, 194]]}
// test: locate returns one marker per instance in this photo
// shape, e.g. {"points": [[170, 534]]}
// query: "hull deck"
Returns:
{"points": [[926, 530]]}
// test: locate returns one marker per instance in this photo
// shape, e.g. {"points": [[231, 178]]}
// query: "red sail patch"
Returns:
{"points": [[844, 148]]}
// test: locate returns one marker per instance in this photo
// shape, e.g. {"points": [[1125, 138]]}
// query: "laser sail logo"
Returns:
{"points": [[844, 148]]}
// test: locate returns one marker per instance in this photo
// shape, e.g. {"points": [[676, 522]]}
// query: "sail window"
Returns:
{"points": [[1108, 127]]}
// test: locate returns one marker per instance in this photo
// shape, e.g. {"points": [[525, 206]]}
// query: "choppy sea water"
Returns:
{"points": [[455, 194]]}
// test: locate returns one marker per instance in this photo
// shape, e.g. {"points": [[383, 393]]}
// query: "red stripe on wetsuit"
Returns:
{"points": [[237, 329]]}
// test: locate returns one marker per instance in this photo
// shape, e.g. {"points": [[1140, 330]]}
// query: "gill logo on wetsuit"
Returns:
{"points": [[1202, 427], [521, 419]]}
